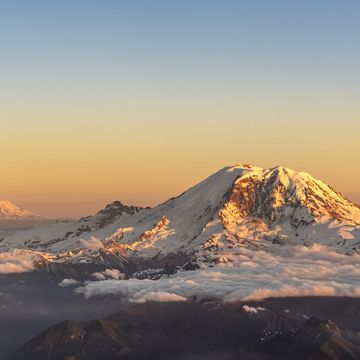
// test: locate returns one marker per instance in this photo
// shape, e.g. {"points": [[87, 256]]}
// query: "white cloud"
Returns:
{"points": [[109, 274], [92, 243], [17, 261], [253, 310], [279, 271], [158, 296], [68, 282], [98, 276]]}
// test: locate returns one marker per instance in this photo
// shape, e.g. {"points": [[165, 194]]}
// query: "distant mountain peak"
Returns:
{"points": [[9, 211], [120, 207]]}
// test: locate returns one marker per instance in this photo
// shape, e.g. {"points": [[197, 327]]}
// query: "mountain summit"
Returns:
{"points": [[9, 211], [238, 206]]}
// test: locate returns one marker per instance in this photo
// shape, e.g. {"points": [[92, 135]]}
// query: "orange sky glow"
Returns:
{"points": [[137, 100]]}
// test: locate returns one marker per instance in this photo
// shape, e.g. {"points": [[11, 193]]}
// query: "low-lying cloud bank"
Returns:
{"points": [[68, 282], [279, 271], [92, 244], [253, 310], [16, 261], [108, 274]]}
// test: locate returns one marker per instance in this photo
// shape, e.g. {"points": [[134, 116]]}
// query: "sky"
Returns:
{"points": [[139, 100]]}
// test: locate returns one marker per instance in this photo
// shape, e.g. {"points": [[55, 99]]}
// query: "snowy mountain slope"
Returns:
{"points": [[72, 241], [130, 233], [237, 206], [9, 211]]}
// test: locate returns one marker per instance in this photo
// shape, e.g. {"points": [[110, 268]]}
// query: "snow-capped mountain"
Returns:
{"points": [[9, 211], [238, 206]]}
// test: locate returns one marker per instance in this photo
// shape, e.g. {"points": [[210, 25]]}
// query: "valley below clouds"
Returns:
{"points": [[310, 281]]}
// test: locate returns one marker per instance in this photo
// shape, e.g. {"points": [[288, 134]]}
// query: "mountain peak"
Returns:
{"points": [[242, 167], [279, 192], [9, 211], [239, 205], [117, 207]]}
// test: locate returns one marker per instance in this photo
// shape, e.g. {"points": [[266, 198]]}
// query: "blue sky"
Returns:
{"points": [[162, 43]]}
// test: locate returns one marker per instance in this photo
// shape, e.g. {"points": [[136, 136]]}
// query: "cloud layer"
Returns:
{"points": [[16, 261], [108, 274], [278, 271], [92, 243], [68, 282]]}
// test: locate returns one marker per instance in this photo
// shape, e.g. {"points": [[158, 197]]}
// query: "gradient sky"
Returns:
{"points": [[138, 100]]}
